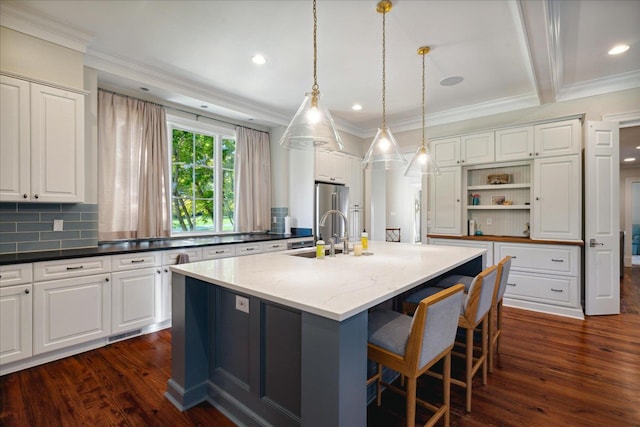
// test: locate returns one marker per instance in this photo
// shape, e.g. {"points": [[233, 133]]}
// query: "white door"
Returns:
{"points": [[602, 179]]}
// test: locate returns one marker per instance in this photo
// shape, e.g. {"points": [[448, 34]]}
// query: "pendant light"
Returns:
{"points": [[422, 162], [312, 127], [384, 149]]}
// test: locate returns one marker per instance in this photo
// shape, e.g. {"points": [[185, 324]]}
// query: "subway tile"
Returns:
{"points": [[79, 243], [8, 207], [34, 226], [38, 246], [67, 216], [19, 237], [7, 248], [89, 216], [81, 225], [89, 234], [19, 217], [7, 227], [59, 235], [38, 207]]}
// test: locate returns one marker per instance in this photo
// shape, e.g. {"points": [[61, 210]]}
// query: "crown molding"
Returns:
{"points": [[624, 81], [19, 18]]}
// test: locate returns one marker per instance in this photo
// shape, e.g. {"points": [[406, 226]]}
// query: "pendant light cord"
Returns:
{"points": [[384, 74], [314, 88], [423, 97]]}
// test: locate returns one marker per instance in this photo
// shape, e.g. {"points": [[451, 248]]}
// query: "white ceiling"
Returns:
{"points": [[512, 54]]}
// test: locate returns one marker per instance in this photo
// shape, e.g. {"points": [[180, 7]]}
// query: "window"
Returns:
{"points": [[202, 178]]}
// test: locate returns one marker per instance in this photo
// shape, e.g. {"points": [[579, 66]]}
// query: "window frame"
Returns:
{"points": [[219, 133]]}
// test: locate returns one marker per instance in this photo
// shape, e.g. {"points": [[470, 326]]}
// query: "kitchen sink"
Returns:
{"points": [[312, 254]]}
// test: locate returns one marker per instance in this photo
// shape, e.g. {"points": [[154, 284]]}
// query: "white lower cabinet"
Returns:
{"points": [[15, 322], [70, 311], [543, 277], [171, 258], [134, 299]]}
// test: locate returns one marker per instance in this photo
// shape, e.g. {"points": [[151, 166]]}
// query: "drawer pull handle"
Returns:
{"points": [[557, 260], [136, 261], [556, 290], [219, 252], [80, 267], [250, 249], [510, 284], [513, 257]]}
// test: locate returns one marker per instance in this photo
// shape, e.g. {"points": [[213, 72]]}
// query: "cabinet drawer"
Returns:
{"points": [[171, 257], [249, 248], [77, 267], [15, 274], [274, 246], [553, 289], [541, 258], [135, 261], [213, 252]]}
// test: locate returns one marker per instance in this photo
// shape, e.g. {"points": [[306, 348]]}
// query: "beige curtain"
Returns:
{"points": [[253, 180], [134, 176]]}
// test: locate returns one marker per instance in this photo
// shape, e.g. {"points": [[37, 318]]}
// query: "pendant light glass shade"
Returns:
{"points": [[384, 149], [384, 152], [312, 127], [422, 162]]}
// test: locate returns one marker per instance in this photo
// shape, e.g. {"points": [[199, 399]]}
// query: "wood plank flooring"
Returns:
{"points": [[552, 371]]}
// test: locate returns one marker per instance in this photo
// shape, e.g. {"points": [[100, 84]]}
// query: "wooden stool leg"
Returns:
{"points": [[446, 382], [469, 367], [491, 335], [411, 401], [485, 327]]}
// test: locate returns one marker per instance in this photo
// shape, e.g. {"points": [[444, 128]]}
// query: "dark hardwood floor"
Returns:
{"points": [[552, 371]]}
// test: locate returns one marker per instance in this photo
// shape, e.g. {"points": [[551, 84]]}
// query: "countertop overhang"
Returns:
{"points": [[334, 287]]}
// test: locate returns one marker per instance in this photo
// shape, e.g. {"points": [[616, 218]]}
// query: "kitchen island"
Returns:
{"points": [[281, 339]]}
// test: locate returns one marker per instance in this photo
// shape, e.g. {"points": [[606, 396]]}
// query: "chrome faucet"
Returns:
{"points": [[345, 239]]}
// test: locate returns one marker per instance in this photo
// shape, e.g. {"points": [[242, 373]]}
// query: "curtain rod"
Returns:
{"points": [[178, 109]]}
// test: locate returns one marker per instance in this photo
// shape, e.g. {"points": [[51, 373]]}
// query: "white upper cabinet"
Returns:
{"points": [[558, 139], [464, 150], [557, 204], [42, 143], [15, 148], [514, 144], [355, 181], [477, 148], [446, 152], [331, 167]]}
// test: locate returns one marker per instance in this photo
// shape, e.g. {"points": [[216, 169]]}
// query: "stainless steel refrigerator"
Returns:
{"points": [[327, 197]]}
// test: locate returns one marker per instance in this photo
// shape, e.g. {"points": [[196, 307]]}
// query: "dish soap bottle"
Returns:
{"points": [[320, 248], [364, 239]]}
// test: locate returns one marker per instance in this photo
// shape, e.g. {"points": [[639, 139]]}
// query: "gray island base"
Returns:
{"points": [[281, 340]]}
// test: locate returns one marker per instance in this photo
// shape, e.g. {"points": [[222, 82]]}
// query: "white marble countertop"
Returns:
{"points": [[334, 287]]}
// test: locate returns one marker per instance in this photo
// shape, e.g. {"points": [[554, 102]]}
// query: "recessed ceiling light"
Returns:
{"points": [[630, 159], [618, 49], [451, 81], [258, 59], [638, 147], [356, 107]]}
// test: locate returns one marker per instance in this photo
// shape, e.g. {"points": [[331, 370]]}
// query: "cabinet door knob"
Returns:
{"points": [[537, 154], [24, 196], [26, 291], [530, 154], [458, 161], [106, 279], [158, 271], [166, 270], [36, 196], [537, 198]]}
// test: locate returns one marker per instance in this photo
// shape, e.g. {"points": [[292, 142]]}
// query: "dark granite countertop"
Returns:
{"points": [[147, 245]]}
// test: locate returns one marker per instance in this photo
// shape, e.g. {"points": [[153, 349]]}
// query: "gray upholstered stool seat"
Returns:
{"points": [[389, 330]]}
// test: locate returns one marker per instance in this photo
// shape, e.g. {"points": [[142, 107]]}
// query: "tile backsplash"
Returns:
{"points": [[28, 227], [278, 214]]}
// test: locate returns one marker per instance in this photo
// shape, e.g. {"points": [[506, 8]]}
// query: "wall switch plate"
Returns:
{"points": [[58, 224], [242, 303], [275, 219]]}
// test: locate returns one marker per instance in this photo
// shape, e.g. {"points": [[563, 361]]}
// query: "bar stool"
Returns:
{"points": [[495, 320], [411, 346], [475, 312]]}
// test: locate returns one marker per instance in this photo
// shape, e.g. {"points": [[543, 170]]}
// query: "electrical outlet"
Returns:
{"points": [[242, 303], [275, 219], [58, 225], [489, 221]]}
